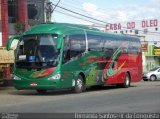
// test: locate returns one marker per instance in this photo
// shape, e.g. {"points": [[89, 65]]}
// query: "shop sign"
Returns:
{"points": [[144, 46], [156, 51], [132, 25]]}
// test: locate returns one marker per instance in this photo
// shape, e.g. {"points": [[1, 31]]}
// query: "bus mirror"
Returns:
{"points": [[12, 42], [59, 42]]}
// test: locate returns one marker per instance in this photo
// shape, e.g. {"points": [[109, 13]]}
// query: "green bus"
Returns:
{"points": [[60, 55]]}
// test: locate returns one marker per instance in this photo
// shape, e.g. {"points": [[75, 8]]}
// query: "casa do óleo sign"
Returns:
{"points": [[132, 25]]}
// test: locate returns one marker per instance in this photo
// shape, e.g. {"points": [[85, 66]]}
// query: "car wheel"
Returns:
{"points": [[153, 78], [80, 85], [41, 91]]}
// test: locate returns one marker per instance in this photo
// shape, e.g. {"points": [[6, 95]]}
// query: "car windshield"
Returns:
{"points": [[37, 51], [155, 68]]}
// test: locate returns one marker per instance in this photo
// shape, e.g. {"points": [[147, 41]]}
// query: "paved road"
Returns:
{"points": [[140, 97]]}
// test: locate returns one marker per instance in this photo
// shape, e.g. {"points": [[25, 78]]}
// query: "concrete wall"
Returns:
{"points": [[0, 33]]}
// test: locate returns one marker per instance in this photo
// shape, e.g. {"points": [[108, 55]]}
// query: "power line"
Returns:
{"points": [[81, 14], [98, 24], [72, 5], [103, 10], [56, 5], [97, 19]]}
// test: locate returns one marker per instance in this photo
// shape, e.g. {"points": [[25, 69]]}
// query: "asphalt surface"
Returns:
{"points": [[141, 97]]}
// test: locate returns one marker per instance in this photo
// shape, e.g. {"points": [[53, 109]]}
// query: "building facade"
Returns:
{"points": [[149, 32], [30, 12]]}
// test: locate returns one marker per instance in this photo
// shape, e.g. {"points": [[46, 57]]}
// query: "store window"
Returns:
{"points": [[156, 29], [121, 32], [136, 31], [12, 11]]}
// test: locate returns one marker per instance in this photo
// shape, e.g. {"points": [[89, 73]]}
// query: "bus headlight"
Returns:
{"points": [[16, 78], [57, 76]]}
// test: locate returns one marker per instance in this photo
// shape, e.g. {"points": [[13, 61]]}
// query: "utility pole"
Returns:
{"points": [[48, 10]]}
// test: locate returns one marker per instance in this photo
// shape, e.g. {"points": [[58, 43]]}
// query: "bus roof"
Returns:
{"points": [[68, 29], [59, 28]]}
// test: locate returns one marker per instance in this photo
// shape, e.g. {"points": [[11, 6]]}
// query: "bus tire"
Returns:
{"points": [[41, 91], [127, 81], [79, 85]]}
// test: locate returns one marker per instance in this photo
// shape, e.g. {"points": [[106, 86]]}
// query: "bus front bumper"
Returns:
{"points": [[36, 84]]}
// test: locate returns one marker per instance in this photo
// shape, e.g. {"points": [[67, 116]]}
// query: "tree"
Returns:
{"points": [[19, 27]]}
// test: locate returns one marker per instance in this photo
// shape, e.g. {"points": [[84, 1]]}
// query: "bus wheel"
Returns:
{"points": [[80, 85], [127, 81], [41, 91]]}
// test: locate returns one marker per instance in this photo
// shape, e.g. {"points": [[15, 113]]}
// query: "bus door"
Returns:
{"points": [[74, 47]]}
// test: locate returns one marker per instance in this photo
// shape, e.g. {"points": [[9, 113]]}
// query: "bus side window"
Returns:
{"points": [[133, 48], [66, 52], [124, 46], [77, 45], [95, 42], [110, 44]]}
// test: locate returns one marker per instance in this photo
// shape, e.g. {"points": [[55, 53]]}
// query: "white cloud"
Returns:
{"points": [[90, 7], [105, 14], [155, 5], [94, 11], [124, 13], [156, 1], [122, 16]]}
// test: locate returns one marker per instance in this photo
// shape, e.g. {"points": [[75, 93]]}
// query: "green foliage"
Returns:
{"points": [[19, 27]]}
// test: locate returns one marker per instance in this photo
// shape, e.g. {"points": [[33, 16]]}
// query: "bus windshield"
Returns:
{"points": [[37, 51]]}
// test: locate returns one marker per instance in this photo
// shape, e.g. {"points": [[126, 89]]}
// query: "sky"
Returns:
{"points": [[109, 11]]}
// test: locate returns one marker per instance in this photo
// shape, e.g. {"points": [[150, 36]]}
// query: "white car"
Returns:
{"points": [[152, 75]]}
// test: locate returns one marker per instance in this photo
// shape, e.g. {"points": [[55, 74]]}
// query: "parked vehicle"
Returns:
{"points": [[152, 75], [58, 55]]}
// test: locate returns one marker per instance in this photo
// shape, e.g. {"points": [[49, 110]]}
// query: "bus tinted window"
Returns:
{"points": [[124, 46], [101, 42], [66, 52], [77, 44], [95, 42], [111, 44], [134, 47]]}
